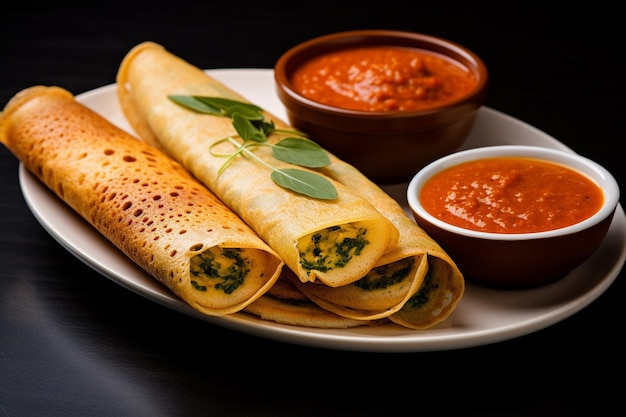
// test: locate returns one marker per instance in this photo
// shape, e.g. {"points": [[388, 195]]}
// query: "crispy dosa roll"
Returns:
{"points": [[144, 202], [415, 284], [332, 241], [437, 287]]}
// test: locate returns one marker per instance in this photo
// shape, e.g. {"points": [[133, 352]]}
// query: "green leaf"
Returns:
{"points": [[245, 111], [246, 129], [304, 182], [226, 103], [250, 124], [266, 127], [193, 103], [301, 152]]}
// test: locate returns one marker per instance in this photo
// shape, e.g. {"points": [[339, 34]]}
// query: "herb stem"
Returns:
{"points": [[248, 152]]}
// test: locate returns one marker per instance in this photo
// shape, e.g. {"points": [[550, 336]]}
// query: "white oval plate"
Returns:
{"points": [[483, 316]]}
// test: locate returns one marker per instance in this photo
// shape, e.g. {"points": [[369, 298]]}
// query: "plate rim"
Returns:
{"points": [[442, 337]]}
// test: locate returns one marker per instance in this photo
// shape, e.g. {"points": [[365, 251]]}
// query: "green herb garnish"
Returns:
{"points": [[254, 130]]}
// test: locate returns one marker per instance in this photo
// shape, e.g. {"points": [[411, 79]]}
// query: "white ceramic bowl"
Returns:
{"points": [[518, 260]]}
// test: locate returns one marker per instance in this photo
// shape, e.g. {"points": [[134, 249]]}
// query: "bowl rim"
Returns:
{"points": [[600, 175], [344, 39]]}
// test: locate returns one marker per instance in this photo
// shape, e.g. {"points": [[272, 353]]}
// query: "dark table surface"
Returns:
{"points": [[74, 343]]}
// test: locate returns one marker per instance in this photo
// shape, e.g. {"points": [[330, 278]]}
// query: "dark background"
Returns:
{"points": [[73, 343]]}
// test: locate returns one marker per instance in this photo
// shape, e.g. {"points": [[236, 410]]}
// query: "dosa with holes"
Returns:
{"points": [[330, 241], [140, 199]]}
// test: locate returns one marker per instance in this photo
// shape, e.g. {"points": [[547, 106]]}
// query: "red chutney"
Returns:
{"points": [[382, 79], [511, 195]]}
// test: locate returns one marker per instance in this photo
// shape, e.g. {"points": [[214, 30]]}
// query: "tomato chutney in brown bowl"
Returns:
{"points": [[388, 102]]}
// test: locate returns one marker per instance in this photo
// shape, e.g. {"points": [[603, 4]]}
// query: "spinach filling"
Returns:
{"points": [[387, 275], [423, 295], [223, 269], [332, 248]]}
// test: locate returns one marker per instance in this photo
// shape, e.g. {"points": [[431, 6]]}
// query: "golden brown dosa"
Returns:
{"points": [[425, 297], [431, 284], [144, 202], [290, 223], [441, 283]]}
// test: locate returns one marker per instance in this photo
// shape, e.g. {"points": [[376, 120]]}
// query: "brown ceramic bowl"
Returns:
{"points": [[519, 260], [387, 146]]}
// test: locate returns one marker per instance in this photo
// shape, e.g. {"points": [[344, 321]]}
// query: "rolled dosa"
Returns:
{"points": [[335, 242], [140, 199], [437, 289], [415, 284]]}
